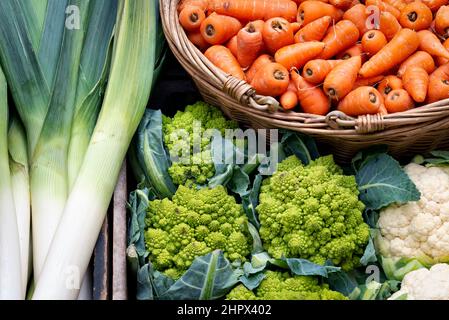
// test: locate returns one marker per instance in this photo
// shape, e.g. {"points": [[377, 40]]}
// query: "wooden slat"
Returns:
{"points": [[101, 273]]}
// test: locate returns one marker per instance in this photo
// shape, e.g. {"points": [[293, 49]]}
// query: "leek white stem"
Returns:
{"points": [[123, 107]]}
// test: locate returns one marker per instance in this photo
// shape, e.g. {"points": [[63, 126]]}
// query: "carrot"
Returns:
{"points": [[418, 59], [434, 5], [312, 99], [442, 21], [389, 25], [398, 4], [277, 33], [355, 51], [341, 79], [398, 100], [295, 26], [384, 6], [223, 58], [249, 45], [202, 4], [309, 11], [361, 101], [439, 84], [315, 71], [441, 60], [232, 45], [383, 110], [373, 41], [388, 84], [191, 18], [258, 24], [430, 43], [198, 40], [217, 29], [313, 31], [340, 37], [289, 100], [396, 51], [416, 16], [363, 82], [271, 80], [416, 81], [255, 10], [358, 15], [257, 64], [341, 4], [298, 54]]}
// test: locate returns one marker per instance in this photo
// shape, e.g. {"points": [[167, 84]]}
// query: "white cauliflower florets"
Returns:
{"points": [[419, 229], [424, 284]]}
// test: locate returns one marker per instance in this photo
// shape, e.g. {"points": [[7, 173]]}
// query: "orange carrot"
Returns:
{"points": [[373, 41], [396, 51], [340, 37], [384, 6], [383, 110], [223, 58], [430, 43], [434, 5], [341, 78], [271, 80], [258, 24], [198, 40], [398, 4], [398, 100], [202, 4], [359, 16], [389, 25], [442, 21], [191, 18], [441, 60], [355, 51], [257, 64], [232, 45], [416, 16], [418, 59], [439, 84], [309, 11], [249, 45], [289, 100], [277, 33], [363, 82], [255, 10], [315, 71], [298, 54], [312, 99], [295, 26], [341, 4], [388, 84], [416, 81], [217, 29], [313, 31], [361, 101]]}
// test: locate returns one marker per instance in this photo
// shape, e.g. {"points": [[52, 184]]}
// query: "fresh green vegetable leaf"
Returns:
{"points": [[382, 181], [253, 281], [257, 242], [396, 269], [370, 253], [250, 201], [364, 156], [343, 282], [302, 146], [151, 284], [303, 267]]}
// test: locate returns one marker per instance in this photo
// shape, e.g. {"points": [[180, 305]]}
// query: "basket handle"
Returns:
{"points": [[363, 124]]}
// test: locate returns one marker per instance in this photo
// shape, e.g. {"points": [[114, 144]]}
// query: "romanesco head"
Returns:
{"points": [[283, 286], [194, 223], [189, 146], [312, 212]]}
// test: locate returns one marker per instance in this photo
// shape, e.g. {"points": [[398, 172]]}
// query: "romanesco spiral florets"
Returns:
{"points": [[192, 224], [283, 286], [312, 212], [197, 166]]}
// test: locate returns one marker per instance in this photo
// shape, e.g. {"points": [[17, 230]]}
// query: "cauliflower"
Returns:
{"points": [[282, 286], [424, 284], [192, 224], [418, 230], [199, 166], [312, 212]]}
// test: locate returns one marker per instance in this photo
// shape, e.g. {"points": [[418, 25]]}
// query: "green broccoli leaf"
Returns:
{"points": [[364, 156], [300, 145], [382, 181], [252, 281], [370, 253], [343, 282], [303, 267], [441, 158], [250, 200], [150, 157], [209, 277], [151, 284], [257, 242]]}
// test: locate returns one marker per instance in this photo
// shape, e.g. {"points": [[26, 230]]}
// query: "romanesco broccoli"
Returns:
{"points": [[312, 212], [192, 224], [198, 167], [283, 286]]}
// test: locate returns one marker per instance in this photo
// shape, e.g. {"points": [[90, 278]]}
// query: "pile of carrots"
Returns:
{"points": [[359, 57]]}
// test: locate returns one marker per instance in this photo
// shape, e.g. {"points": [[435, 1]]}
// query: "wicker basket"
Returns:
{"points": [[415, 131]]}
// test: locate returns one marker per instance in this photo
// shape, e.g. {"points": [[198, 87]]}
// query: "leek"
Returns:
{"points": [[127, 93], [10, 270], [18, 164]]}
